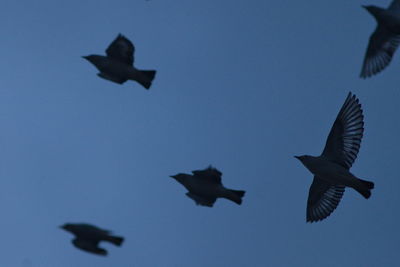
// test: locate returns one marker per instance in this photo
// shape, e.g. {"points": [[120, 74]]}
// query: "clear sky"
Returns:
{"points": [[242, 85]]}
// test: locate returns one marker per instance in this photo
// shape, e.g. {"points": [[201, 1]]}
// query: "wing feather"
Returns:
{"points": [[381, 47], [121, 49], [344, 139], [323, 199]]}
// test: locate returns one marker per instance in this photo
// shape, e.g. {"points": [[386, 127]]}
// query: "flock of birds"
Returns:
{"points": [[331, 169]]}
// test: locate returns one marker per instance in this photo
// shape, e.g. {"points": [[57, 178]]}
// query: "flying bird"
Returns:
{"points": [[118, 67], [205, 187], [88, 237], [384, 40], [332, 168]]}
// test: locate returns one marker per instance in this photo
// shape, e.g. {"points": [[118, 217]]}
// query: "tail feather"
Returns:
{"points": [[365, 188], [368, 184], [151, 74], [147, 77], [235, 195], [116, 240]]}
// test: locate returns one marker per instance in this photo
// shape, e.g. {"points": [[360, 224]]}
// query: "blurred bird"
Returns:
{"points": [[205, 187], [385, 39], [87, 237], [331, 169], [118, 67]]}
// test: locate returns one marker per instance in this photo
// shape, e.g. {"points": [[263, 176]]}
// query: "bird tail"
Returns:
{"points": [[116, 240], [235, 195], [365, 188], [146, 77]]}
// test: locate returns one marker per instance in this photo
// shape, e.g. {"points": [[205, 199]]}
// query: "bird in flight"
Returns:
{"points": [[384, 40], [118, 67], [332, 168], [88, 237], [205, 187]]}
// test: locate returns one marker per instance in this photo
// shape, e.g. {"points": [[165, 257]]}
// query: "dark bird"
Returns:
{"points": [[384, 40], [331, 169], [205, 187], [87, 237], [118, 67]]}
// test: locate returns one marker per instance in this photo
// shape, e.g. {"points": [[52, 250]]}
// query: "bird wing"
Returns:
{"points": [[211, 174], [89, 246], [85, 244], [381, 47], [121, 49], [344, 139], [202, 201], [395, 5], [323, 198]]}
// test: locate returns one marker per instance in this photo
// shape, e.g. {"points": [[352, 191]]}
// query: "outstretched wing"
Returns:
{"points": [[211, 174], [344, 139], [202, 201], [89, 246], [92, 229], [121, 49], [381, 47], [323, 198]]}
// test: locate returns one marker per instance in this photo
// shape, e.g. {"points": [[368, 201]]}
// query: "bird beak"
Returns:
{"points": [[297, 157], [85, 57], [364, 6], [172, 176]]}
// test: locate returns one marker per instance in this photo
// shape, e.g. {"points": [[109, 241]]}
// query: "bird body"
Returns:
{"points": [[333, 173], [117, 71], [388, 18], [202, 187], [205, 186]]}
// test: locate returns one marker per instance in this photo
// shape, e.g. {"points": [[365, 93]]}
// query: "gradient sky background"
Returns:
{"points": [[242, 85]]}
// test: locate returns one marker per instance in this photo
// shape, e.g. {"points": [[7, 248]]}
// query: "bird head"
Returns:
{"points": [[89, 58], [179, 177], [96, 60], [301, 158], [374, 10], [67, 227]]}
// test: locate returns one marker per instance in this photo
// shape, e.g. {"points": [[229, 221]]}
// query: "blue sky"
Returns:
{"points": [[242, 85]]}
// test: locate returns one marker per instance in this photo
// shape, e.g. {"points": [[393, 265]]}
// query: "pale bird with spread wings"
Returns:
{"points": [[118, 67], [332, 168]]}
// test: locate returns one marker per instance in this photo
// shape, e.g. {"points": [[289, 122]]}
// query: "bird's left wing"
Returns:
{"points": [[344, 139], [211, 174], [381, 47], [202, 201], [89, 246], [121, 49], [323, 198]]}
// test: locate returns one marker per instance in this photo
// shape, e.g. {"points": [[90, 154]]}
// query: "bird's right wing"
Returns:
{"points": [[395, 5], [89, 246], [344, 139], [323, 198], [381, 47], [121, 49], [208, 202]]}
